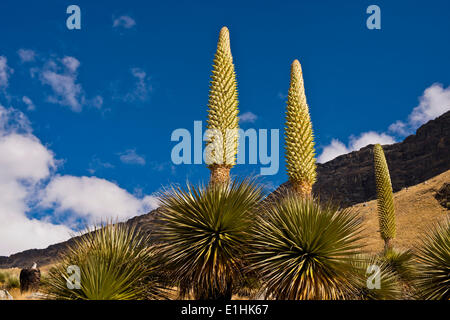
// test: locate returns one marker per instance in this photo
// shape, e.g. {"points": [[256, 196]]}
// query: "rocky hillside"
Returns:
{"points": [[348, 179]]}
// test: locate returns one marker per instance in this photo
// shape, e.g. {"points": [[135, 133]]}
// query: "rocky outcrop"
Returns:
{"points": [[4, 295], [349, 179], [443, 196], [41, 256]]}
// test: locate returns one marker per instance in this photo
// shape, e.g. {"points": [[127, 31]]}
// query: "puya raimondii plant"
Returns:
{"points": [[299, 138], [204, 235], [304, 250], [385, 197], [222, 112], [115, 263]]}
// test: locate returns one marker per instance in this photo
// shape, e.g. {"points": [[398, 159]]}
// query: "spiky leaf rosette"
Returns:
{"points": [[304, 250], [299, 138], [223, 105], [434, 263], [369, 269], [204, 235], [115, 262], [401, 262], [385, 202]]}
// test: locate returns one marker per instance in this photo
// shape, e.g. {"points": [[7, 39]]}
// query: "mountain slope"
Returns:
{"points": [[416, 209], [349, 179]]}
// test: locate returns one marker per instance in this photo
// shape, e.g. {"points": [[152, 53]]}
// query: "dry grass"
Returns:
{"points": [[7, 275], [15, 292], [416, 210]]}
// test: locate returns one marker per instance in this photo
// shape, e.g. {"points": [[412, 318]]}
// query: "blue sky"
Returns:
{"points": [[98, 105]]}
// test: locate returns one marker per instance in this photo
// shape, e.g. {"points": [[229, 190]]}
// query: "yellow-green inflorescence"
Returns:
{"points": [[386, 211], [223, 111], [299, 138]]}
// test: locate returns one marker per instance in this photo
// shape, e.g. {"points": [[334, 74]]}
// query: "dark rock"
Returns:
{"points": [[349, 179], [443, 196]]}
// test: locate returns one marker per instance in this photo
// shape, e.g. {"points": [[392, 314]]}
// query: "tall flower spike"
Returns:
{"points": [[299, 138], [223, 112], [386, 211]]}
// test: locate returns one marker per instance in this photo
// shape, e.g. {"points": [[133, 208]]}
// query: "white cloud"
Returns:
{"points": [[5, 72], [96, 102], [26, 55], [13, 121], [399, 127], [66, 90], [97, 164], [71, 63], [124, 21], [94, 198], [337, 148], [29, 103], [24, 158], [24, 164], [62, 77], [28, 184], [131, 157], [434, 101], [248, 117], [142, 86], [370, 137], [139, 91]]}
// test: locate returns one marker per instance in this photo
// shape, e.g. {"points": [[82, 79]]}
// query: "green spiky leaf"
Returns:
{"points": [[389, 285], [434, 263], [386, 210], [299, 138], [223, 104], [205, 234], [115, 262], [303, 250]]}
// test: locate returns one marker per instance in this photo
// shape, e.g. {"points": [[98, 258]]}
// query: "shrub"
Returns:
{"points": [[205, 236], [9, 280], [389, 285], [12, 282], [400, 262], [304, 250], [434, 263], [116, 263]]}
